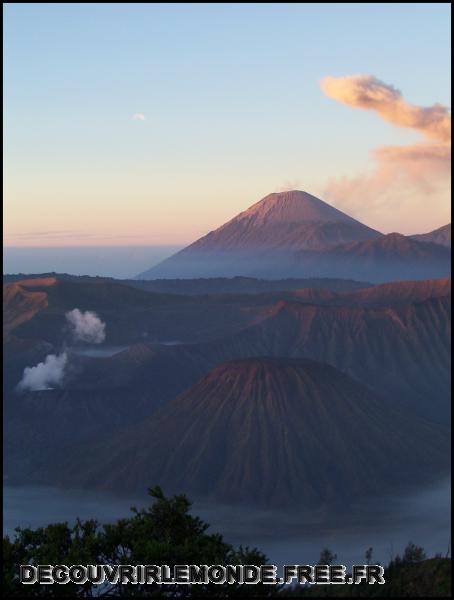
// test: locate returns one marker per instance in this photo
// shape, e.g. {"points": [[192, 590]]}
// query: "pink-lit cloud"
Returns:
{"points": [[410, 179], [367, 92]]}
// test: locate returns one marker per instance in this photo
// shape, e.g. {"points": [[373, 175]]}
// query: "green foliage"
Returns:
{"points": [[163, 533], [166, 533]]}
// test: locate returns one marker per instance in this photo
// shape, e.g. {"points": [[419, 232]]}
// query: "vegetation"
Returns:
{"points": [[166, 533], [409, 576], [429, 579]]}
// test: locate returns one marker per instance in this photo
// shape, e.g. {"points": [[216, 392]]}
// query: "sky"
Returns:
{"points": [[152, 124]]}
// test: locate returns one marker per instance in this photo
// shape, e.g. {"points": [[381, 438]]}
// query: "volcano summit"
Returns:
{"points": [[295, 234]]}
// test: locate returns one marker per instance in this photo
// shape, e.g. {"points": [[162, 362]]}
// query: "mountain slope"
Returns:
{"points": [[402, 352], [442, 236], [294, 234], [394, 338], [21, 302], [291, 220], [396, 293], [244, 285], [272, 432], [390, 257], [266, 234], [131, 314]]}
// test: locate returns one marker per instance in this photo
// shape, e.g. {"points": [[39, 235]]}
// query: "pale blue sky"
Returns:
{"points": [[232, 103]]}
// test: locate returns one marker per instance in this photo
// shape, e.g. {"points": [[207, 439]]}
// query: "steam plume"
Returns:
{"points": [[86, 327], [45, 374], [404, 176], [368, 92]]}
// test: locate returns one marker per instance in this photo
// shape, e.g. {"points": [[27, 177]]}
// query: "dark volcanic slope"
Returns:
{"points": [[244, 285], [20, 303], [393, 338], [397, 293], [401, 352], [131, 315], [271, 432], [442, 236], [40, 424]]}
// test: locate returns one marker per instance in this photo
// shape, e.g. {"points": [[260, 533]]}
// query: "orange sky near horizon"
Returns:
{"points": [[146, 125]]}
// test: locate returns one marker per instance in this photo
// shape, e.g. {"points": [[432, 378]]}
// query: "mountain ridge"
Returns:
{"points": [[441, 236], [295, 234], [384, 346]]}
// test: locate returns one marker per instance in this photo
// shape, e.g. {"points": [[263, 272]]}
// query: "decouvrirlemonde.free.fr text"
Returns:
{"points": [[200, 574]]}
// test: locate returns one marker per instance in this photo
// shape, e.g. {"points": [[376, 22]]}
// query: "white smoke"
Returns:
{"points": [[405, 180], [45, 374], [86, 327]]}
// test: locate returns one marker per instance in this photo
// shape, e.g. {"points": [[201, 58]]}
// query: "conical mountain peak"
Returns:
{"points": [[293, 206], [276, 226], [256, 431], [295, 234]]}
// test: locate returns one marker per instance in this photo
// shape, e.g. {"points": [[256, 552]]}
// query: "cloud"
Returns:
{"points": [[45, 374], [138, 117], [368, 92], [403, 177], [86, 327], [63, 234], [420, 162]]}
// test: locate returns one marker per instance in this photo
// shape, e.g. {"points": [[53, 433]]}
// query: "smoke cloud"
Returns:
{"points": [[45, 375], [86, 327], [368, 92], [404, 177]]}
